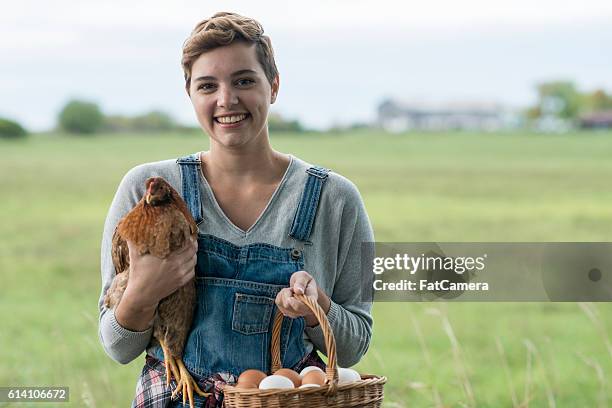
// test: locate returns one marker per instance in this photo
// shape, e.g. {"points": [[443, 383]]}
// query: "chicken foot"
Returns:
{"points": [[170, 364], [187, 385]]}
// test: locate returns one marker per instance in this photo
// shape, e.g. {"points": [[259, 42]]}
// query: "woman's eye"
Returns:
{"points": [[206, 87], [244, 82]]}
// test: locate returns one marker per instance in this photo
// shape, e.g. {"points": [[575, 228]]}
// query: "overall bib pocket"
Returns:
{"points": [[252, 314]]}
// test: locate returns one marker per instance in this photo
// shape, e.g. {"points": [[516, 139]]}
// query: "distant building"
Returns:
{"points": [[597, 120], [398, 116]]}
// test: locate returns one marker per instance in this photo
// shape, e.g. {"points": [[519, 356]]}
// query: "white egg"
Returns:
{"points": [[309, 368], [347, 375], [275, 381], [309, 385]]}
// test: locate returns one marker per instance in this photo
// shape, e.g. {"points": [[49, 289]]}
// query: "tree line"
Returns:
{"points": [[81, 117], [563, 99], [559, 99]]}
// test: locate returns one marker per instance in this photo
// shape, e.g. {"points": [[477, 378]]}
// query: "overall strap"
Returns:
{"points": [[307, 209], [190, 166]]}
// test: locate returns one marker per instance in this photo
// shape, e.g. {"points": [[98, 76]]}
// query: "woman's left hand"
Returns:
{"points": [[303, 283]]}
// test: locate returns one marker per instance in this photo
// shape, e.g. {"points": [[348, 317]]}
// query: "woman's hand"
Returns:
{"points": [[151, 280], [301, 282]]}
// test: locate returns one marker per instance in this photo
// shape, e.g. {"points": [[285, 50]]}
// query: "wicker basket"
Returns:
{"points": [[367, 392]]}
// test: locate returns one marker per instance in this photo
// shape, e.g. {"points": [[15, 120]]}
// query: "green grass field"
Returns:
{"points": [[429, 187]]}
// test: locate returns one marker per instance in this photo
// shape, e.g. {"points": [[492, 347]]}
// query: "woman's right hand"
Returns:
{"points": [[152, 279]]}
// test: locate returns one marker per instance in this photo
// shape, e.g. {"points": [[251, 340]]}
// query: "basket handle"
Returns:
{"points": [[331, 371]]}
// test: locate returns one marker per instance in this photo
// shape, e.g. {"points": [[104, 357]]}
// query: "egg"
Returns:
{"points": [[290, 374], [309, 385], [246, 385], [275, 381], [251, 377], [308, 369], [314, 377], [347, 376]]}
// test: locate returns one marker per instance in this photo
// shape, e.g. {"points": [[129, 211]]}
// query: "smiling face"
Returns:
{"points": [[231, 95]]}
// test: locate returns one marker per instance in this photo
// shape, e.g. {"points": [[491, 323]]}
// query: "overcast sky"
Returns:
{"points": [[337, 59]]}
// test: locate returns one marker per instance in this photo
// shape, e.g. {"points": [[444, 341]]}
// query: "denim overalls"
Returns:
{"points": [[237, 287]]}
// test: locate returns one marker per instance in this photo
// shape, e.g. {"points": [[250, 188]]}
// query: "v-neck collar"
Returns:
{"points": [[263, 213]]}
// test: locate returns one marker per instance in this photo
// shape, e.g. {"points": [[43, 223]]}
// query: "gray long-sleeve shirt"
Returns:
{"points": [[333, 259]]}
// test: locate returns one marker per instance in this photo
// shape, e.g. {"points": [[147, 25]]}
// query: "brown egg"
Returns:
{"points": [[246, 385], [314, 377], [290, 374], [251, 377]]}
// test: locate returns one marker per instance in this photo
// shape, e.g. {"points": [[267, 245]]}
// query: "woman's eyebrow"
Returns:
{"points": [[205, 78], [237, 73], [244, 71]]}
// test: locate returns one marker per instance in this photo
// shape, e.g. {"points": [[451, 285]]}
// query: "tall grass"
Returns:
{"points": [[434, 187]]}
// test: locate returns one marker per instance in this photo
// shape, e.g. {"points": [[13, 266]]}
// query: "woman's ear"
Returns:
{"points": [[275, 85]]}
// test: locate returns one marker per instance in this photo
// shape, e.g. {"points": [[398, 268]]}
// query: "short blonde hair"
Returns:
{"points": [[223, 29]]}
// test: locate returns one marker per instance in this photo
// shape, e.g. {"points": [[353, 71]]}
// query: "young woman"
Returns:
{"points": [[270, 225]]}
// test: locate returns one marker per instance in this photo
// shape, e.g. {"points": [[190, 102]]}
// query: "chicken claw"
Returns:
{"points": [[170, 364], [187, 385]]}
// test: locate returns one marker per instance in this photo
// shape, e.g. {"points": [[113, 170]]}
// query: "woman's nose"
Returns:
{"points": [[227, 98]]}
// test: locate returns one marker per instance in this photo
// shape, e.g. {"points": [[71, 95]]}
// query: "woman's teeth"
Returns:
{"points": [[231, 119]]}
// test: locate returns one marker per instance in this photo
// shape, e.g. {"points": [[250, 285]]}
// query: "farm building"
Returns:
{"points": [[597, 120], [398, 116]]}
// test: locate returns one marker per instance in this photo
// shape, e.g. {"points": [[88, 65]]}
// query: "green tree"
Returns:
{"points": [[559, 98], [596, 101], [117, 123], [276, 123], [11, 129], [81, 117], [154, 121]]}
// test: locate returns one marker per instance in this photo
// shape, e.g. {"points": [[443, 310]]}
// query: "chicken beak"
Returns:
{"points": [[148, 198]]}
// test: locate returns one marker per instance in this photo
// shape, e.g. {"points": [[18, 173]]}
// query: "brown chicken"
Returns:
{"points": [[160, 224]]}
